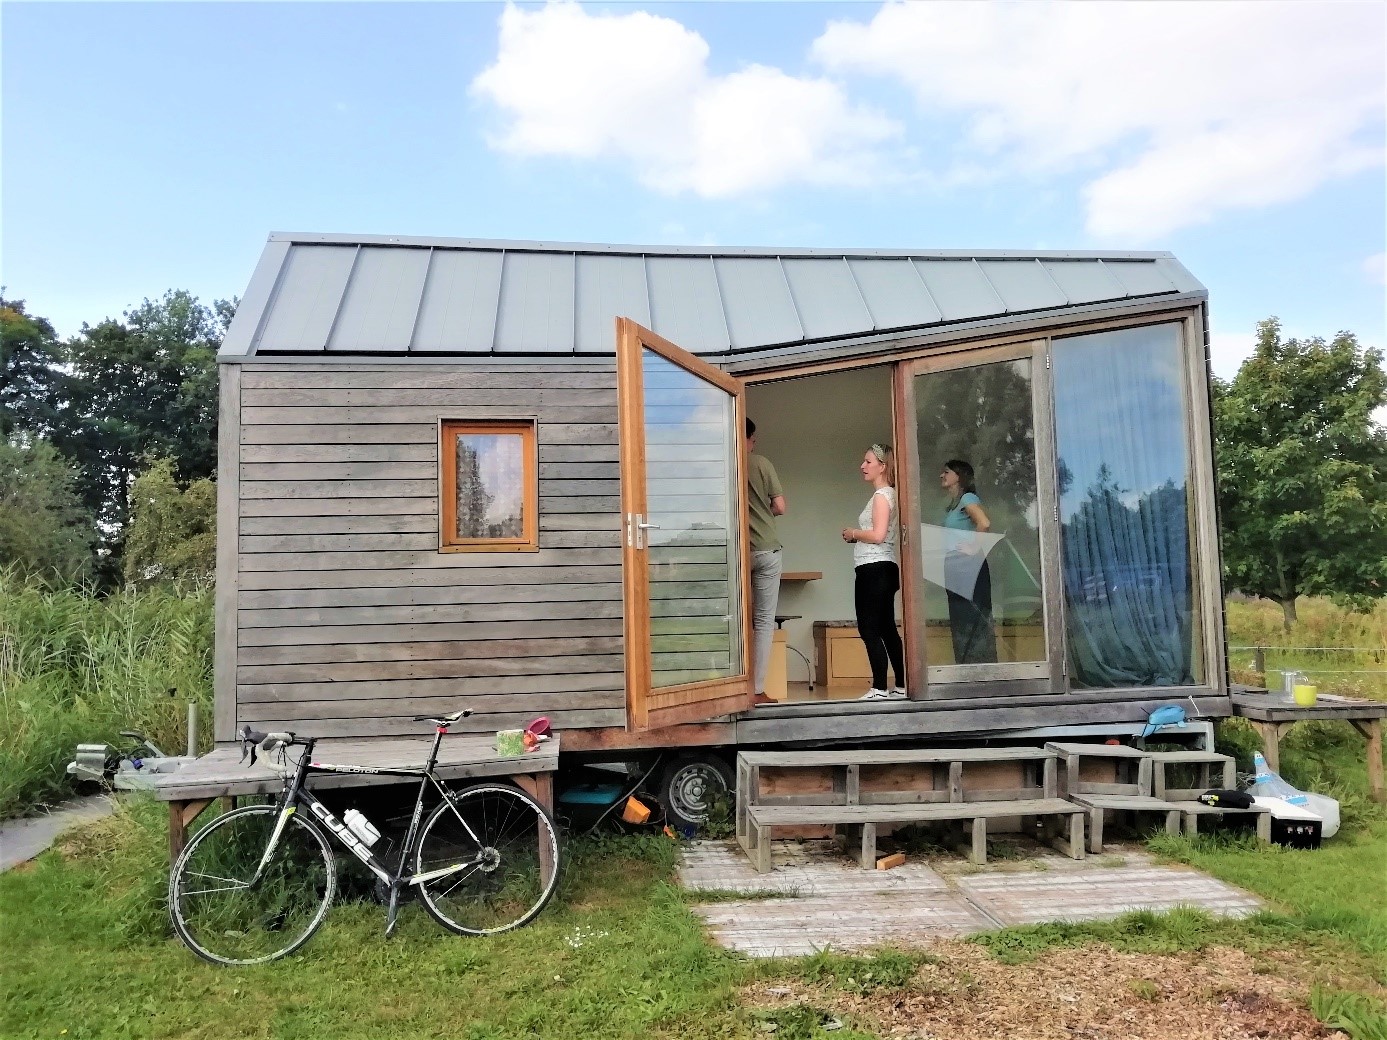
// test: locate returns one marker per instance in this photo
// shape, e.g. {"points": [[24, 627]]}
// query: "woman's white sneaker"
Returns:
{"points": [[899, 693], [875, 695]]}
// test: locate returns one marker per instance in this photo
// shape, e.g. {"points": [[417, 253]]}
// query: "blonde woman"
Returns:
{"points": [[877, 573]]}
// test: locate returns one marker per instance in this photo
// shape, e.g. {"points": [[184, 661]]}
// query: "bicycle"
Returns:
{"points": [[257, 882]]}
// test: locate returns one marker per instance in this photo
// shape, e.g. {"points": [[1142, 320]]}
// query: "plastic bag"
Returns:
{"points": [[1267, 784]]}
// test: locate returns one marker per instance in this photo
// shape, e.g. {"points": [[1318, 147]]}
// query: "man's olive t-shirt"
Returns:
{"points": [[762, 485]]}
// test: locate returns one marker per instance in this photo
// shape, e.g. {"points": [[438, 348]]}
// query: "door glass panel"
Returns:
{"points": [[1125, 510], [982, 591], [691, 451]]}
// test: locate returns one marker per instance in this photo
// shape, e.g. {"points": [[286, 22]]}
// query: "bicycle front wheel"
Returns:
{"points": [[504, 852], [230, 911]]}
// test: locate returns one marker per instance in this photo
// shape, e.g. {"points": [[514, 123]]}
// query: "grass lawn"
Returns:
{"points": [[87, 952]]}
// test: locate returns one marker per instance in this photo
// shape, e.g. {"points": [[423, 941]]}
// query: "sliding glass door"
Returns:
{"points": [[1050, 541], [979, 496]]}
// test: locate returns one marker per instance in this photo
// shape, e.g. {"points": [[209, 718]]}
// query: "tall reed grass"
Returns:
{"points": [[77, 669], [1360, 672]]}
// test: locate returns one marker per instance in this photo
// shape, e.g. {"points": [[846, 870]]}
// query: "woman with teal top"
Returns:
{"points": [[970, 618]]}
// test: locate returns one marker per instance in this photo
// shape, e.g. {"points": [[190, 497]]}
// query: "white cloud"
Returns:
{"points": [[1181, 111], [636, 88], [1375, 267]]}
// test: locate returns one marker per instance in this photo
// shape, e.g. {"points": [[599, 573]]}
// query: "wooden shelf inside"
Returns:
{"points": [[801, 576]]}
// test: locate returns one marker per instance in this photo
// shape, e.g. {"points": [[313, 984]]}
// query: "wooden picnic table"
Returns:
{"points": [[1272, 714], [462, 756]]}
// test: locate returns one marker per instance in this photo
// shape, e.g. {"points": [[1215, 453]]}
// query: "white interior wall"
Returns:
{"points": [[815, 431]]}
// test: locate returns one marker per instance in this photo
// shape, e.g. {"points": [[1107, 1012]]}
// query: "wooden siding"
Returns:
{"points": [[348, 621]]}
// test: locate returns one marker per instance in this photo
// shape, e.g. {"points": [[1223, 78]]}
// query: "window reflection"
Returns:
{"points": [[1124, 507]]}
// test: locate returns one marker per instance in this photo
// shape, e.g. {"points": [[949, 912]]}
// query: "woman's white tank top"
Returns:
{"points": [[870, 552]]}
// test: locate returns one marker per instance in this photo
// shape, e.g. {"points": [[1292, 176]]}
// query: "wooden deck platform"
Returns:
{"points": [[462, 756]]}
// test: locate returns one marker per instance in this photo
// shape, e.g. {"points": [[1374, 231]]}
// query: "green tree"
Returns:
{"points": [[173, 529], [142, 388], [1303, 470], [44, 531], [30, 380]]}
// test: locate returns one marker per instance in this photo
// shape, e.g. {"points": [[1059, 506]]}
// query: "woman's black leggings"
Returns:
{"points": [[874, 594]]}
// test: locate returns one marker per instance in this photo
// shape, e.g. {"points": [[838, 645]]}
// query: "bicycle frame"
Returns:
{"points": [[295, 793]]}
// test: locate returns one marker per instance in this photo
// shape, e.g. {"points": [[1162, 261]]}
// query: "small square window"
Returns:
{"points": [[490, 487]]}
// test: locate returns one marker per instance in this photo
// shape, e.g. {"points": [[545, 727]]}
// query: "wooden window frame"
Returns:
{"points": [[448, 431]]}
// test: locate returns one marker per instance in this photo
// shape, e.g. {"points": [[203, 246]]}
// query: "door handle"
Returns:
{"points": [[647, 527]]}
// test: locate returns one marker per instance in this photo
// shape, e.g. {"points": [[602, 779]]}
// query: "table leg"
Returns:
{"points": [[1270, 732], [540, 786], [181, 816], [1372, 732]]}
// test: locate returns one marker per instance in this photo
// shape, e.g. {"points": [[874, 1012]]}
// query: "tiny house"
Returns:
{"points": [[509, 475]]}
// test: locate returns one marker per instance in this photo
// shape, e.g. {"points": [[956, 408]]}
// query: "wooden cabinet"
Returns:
{"points": [[840, 655]]}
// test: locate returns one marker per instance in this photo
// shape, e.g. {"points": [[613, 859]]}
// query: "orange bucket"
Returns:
{"points": [[636, 811]]}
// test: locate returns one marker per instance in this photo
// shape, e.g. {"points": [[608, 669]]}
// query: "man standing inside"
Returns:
{"points": [[765, 501]]}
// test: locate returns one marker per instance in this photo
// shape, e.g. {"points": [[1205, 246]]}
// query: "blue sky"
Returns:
{"points": [[155, 146]]}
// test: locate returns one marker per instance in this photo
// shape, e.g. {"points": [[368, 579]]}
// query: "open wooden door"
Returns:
{"points": [[686, 568]]}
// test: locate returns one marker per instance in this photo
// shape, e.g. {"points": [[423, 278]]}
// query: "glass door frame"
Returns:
{"points": [[929, 681], [649, 707]]}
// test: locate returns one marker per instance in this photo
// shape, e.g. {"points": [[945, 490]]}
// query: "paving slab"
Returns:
{"points": [[824, 900], [798, 927], [21, 840], [1101, 894], [802, 869]]}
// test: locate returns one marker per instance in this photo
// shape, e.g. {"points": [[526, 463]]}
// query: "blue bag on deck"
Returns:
{"points": [[1165, 715]]}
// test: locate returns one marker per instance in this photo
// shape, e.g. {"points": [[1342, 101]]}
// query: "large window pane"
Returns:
{"points": [[692, 446], [1125, 507], [982, 593]]}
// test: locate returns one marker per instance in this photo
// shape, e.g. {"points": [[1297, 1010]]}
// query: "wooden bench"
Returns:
{"points": [[1186, 798], [762, 817], [1099, 797], [461, 757], [847, 804]]}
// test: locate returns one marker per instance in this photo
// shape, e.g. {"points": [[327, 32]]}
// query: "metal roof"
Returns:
{"points": [[339, 294]]}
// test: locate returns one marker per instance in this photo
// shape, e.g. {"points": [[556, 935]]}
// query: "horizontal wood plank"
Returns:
{"points": [[446, 650], [439, 613], [425, 560], [528, 628], [380, 671], [606, 687]]}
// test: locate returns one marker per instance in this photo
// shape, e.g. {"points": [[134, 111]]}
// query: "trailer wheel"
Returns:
{"points": [[689, 786]]}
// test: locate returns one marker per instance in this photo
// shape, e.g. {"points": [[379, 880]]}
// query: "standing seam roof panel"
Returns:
{"points": [[536, 310], [309, 294], [381, 301], [458, 310], [1139, 279], [1023, 284], [608, 287], [896, 298], [960, 288], [756, 299], [685, 306], [1084, 282], [826, 296]]}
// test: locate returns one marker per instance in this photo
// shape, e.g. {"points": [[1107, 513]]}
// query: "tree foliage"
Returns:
{"points": [[141, 389], [30, 379], [1302, 465], [44, 530], [173, 532]]}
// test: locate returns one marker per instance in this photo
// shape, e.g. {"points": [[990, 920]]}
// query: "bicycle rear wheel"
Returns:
{"points": [[509, 855], [222, 916]]}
